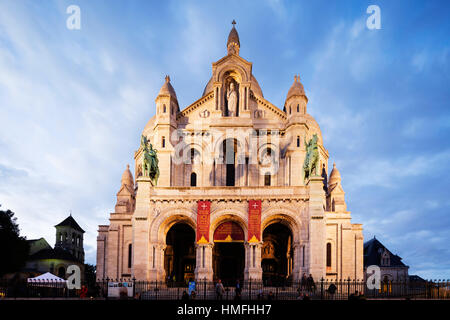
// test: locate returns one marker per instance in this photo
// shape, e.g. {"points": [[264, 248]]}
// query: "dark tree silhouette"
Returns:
{"points": [[13, 248], [90, 279]]}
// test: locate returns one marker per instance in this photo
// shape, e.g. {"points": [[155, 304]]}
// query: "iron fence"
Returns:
{"points": [[343, 289]]}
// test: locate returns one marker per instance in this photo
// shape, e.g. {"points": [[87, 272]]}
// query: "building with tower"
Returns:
{"points": [[231, 187], [68, 251]]}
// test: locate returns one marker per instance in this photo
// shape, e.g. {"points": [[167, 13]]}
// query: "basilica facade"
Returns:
{"points": [[234, 188]]}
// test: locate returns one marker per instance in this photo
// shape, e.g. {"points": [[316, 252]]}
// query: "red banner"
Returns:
{"points": [[203, 211], [254, 220]]}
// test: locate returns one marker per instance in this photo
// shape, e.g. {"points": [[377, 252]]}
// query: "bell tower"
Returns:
{"points": [[69, 236]]}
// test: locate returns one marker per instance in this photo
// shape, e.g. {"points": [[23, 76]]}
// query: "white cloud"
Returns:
{"points": [[70, 121]]}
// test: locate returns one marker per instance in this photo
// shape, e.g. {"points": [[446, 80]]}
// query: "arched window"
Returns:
{"points": [[290, 110], [298, 108], [163, 142], [267, 179], [298, 141], [194, 156], [164, 108], [328, 255], [385, 259], [129, 255], [193, 179]]}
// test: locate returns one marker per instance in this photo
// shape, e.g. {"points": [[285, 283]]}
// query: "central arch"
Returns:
{"points": [[228, 252]]}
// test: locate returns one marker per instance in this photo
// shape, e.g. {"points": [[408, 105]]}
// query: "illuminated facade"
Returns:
{"points": [[232, 200]]}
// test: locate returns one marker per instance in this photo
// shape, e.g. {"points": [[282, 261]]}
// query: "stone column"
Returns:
{"points": [[157, 271], [253, 269], [317, 228], [203, 262], [141, 232], [112, 259], [300, 262]]}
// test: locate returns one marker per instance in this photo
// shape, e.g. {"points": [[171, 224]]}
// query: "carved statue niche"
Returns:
{"points": [[231, 97]]}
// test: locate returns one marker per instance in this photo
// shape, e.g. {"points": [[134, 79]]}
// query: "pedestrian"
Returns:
{"points": [[270, 296], [260, 295], [193, 295], [219, 290], [238, 288], [331, 290], [303, 282], [123, 292], [310, 283], [83, 291]]}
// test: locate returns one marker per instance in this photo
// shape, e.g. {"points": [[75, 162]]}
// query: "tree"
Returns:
{"points": [[13, 248], [90, 278]]}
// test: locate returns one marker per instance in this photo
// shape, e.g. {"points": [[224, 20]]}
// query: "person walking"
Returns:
{"points": [[332, 290], [303, 282], [238, 288], [219, 290], [310, 284]]}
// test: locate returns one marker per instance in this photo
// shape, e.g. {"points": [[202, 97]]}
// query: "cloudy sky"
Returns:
{"points": [[74, 102]]}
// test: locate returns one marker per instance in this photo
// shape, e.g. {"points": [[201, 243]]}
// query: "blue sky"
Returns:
{"points": [[74, 102]]}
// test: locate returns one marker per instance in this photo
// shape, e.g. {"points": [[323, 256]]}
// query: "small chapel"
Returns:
{"points": [[230, 187]]}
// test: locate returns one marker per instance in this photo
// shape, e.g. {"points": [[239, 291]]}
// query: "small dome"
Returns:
{"points": [[313, 126], [335, 176], [167, 89], [127, 177], [296, 89]]}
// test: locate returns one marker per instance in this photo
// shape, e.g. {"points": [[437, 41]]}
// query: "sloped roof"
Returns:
{"points": [[373, 250], [70, 222], [56, 253]]}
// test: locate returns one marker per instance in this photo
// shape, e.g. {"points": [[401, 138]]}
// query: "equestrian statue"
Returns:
{"points": [[312, 158], [150, 166]]}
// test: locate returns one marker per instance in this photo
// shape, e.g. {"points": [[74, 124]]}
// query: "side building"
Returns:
{"points": [[391, 266], [68, 251]]}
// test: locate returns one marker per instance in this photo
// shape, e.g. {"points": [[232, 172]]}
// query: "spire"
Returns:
{"points": [[233, 44], [127, 178], [296, 88], [167, 89], [336, 195], [335, 176]]}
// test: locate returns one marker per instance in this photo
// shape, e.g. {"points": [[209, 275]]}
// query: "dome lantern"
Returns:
{"points": [[233, 44]]}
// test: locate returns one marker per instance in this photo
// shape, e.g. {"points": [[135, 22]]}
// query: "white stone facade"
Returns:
{"points": [[144, 213]]}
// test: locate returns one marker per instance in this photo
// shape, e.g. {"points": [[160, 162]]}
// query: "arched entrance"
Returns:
{"points": [[179, 255], [229, 253], [277, 254]]}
